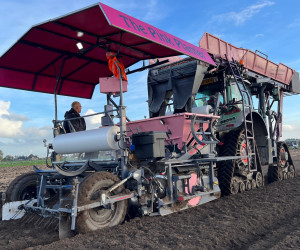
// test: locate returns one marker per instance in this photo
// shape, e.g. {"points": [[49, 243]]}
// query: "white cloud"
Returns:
{"points": [[35, 132], [290, 131], [94, 121], [259, 35], [295, 23], [17, 139], [242, 16], [152, 8], [15, 117], [288, 127], [218, 35], [9, 128]]}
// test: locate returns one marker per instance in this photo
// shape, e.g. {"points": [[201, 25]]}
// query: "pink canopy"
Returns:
{"points": [[33, 63]]}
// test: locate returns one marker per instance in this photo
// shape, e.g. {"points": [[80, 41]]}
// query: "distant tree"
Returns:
{"points": [[32, 157], [8, 158], [1, 155]]}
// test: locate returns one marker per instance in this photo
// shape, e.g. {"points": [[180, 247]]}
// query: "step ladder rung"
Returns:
{"points": [[210, 142], [201, 133]]}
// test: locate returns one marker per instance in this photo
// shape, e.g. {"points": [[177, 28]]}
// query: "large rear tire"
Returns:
{"points": [[100, 217], [24, 187]]}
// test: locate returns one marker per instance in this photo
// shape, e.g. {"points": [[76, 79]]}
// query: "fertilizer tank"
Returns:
{"points": [[100, 139]]}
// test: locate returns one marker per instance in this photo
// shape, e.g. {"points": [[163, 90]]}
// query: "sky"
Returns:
{"points": [[272, 27]]}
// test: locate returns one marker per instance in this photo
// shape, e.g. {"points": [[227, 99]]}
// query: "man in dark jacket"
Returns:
{"points": [[78, 124]]}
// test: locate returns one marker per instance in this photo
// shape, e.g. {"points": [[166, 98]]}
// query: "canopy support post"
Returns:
{"points": [[123, 134], [55, 93]]}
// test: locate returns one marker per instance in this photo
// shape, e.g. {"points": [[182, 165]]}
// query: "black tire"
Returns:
{"points": [[226, 170], [97, 218], [24, 187]]}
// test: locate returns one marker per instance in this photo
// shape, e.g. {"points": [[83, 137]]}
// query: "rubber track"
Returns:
{"points": [[226, 168]]}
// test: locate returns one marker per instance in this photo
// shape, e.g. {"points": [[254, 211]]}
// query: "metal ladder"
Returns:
{"points": [[243, 90]]}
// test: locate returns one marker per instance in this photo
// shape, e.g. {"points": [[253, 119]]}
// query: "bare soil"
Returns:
{"points": [[264, 218]]}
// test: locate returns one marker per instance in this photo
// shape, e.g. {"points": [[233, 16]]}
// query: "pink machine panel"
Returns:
{"points": [[111, 85], [252, 61], [179, 126]]}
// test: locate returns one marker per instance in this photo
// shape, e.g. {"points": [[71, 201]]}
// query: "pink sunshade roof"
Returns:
{"points": [[34, 61]]}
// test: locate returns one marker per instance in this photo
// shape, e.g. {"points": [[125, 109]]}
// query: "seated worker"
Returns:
{"points": [[78, 124]]}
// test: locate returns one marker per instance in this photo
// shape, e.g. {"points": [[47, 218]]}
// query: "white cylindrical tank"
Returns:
{"points": [[100, 139], [204, 110]]}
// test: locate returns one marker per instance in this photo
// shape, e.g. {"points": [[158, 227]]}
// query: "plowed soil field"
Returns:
{"points": [[264, 218]]}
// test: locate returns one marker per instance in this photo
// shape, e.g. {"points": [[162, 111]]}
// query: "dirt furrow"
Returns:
{"points": [[281, 235]]}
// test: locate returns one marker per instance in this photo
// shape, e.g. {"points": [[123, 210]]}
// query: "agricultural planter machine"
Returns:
{"points": [[203, 137]]}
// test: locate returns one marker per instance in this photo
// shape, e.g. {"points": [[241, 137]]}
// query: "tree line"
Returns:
{"points": [[17, 158]]}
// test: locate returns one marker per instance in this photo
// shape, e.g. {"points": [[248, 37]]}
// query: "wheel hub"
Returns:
{"points": [[244, 152], [101, 214], [29, 193]]}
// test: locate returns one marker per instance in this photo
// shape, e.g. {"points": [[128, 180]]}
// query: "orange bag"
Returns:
{"points": [[112, 59]]}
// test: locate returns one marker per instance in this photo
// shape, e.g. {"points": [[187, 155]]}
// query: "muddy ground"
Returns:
{"points": [[265, 218]]}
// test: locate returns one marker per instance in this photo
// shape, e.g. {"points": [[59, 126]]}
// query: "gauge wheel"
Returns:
{"points": [[96, 218]]}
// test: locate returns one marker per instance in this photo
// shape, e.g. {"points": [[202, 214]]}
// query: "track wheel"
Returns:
{"points": [[253, 184], [291, 171], [234, 187], [24, 187], [259, 179], [248, 185], [242, 187], [89, 190], [276, 172]]}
